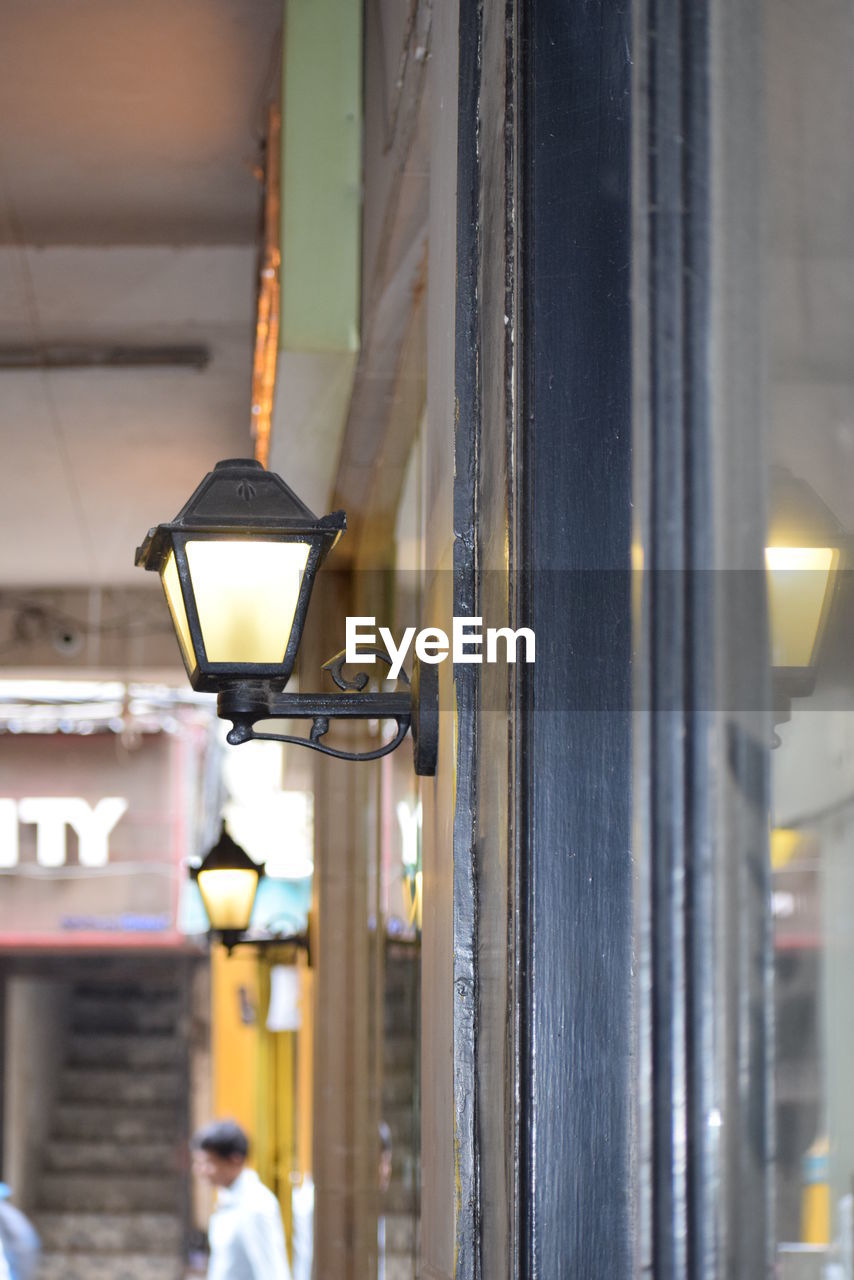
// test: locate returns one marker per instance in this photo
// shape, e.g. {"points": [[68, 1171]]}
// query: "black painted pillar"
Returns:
{"points": [[611, 900], [576, 1047], [543, 878]]}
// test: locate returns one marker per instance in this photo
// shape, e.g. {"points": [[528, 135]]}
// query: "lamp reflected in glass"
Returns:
{"points": [[799, 582], [803, 557]]}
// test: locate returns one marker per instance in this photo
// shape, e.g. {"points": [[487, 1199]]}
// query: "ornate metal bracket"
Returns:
{"points": [[415, 709]]}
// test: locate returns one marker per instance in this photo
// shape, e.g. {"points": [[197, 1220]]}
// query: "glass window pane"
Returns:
{"points": [[175, 600], [808, 86], [228, 896]]}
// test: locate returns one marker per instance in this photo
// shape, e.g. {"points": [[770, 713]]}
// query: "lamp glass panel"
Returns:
{"points": [[246, 595], [228, 895], [798, 579], [175, 600]]}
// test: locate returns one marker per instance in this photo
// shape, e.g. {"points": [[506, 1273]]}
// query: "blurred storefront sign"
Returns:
{"points": [[94, 837], [52, 816]]}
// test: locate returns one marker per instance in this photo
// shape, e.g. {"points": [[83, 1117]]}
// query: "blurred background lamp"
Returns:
{"points": [[228, 881]]}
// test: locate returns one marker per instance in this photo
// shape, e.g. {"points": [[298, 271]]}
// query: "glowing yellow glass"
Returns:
{"points": [[785, 845], [798, 580], [246, 596], [175, 600], [228, 895]]}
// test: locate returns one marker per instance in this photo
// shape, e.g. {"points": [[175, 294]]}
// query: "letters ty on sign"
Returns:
{"points": [[52, 816]]}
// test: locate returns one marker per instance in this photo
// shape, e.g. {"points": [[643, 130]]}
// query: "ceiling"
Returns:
{"points": [[136, 122], [129, 214]]}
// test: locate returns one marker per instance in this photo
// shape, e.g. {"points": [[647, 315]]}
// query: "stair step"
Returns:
{"points": [[403, 1121], [125, 988], [399, 1198], [400, 1053], [398, 1089], [87, 1233], [114, 1013], [400, 1267], [400, 1233], [85, 1120], [105, 1266], [120, 1085], [400, 1021], [111, 1192], [400, 993], [109, 1153], [401, 967], [130, 1049]]}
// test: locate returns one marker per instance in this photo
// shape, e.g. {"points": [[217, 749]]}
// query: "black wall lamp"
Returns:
{"points": [[238, 565]]}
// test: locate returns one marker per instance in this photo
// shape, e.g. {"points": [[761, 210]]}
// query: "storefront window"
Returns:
{"points": [[808, 297]]}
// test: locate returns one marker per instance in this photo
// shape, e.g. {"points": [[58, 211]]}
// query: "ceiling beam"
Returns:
{"points": [[77, 355]]}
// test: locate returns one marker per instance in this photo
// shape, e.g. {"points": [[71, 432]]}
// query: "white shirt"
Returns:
{"points": [[303, 1230], [245, 1232]]}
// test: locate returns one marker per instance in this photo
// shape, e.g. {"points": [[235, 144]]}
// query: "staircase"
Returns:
{"points": [[111, 1198], [401, 1108]]}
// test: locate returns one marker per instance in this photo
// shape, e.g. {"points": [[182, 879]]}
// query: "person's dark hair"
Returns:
{"points": [[223, 1138]]}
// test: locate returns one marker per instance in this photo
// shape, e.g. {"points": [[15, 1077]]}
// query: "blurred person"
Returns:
{"points": [[245, 1232], [383, 1182], [19, 1244], [303, 1228]]}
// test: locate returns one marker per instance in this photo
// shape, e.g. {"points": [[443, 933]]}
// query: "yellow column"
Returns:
{"points": [[815, 1202], [236, 1012]]}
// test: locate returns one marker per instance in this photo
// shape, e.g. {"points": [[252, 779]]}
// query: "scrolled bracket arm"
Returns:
{"points": [[314, 742], [335, 666], [415, 709]]}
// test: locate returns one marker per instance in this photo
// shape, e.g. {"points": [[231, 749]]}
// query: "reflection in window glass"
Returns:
{"points": [[809, 220]]}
